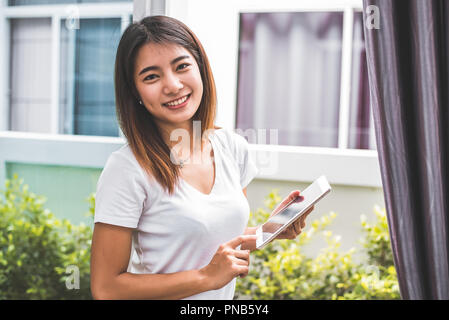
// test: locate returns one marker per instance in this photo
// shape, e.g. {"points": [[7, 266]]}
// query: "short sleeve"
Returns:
{"points": [[120, 193], [246, 163]]}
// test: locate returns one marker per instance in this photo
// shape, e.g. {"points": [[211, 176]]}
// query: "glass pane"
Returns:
{"points": [[30, 75], [361, 130], [87, 76], [36, 2], [289, 76]]}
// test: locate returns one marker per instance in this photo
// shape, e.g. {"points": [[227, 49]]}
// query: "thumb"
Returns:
{"points": [[240, 239]]}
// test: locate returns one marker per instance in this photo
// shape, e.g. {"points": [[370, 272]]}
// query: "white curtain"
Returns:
{"points": [[30, 77], [289, 77]]}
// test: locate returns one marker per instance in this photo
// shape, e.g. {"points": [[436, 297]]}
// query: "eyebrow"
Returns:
{"points": [[156, 67]]}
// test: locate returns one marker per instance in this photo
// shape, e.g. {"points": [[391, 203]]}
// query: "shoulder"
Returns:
{"points": [[121, 158], [122, 191], [123, 164], [233, 140], [235, 145]]}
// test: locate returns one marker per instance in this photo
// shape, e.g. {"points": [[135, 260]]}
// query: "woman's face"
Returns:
{"points": [[169, 83]]}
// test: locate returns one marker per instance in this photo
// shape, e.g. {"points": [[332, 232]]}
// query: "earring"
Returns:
{"points": [[140, 102]]}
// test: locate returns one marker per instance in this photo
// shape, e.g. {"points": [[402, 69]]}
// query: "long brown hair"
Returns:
{"points": [[136, 122]]}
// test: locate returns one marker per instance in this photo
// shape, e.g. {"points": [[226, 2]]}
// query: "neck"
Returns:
{"points": [[184, 140]]}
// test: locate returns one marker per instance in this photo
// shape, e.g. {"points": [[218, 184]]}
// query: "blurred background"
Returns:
{"points": [[296, 68]]}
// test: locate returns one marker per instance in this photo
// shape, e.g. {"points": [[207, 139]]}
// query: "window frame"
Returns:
{"points": [[56, 13]]}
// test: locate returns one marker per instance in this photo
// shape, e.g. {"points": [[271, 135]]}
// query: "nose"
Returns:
{"points": [[172, 84]]}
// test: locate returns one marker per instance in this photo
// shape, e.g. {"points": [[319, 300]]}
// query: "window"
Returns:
{"points": [[30, 82], [289, 75], [64, 86], [87, 73], [290, 79], [37, 2]]}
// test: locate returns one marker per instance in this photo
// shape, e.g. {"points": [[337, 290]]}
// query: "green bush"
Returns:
{"points": [[282, 271], [37, 252], [40, 256]]}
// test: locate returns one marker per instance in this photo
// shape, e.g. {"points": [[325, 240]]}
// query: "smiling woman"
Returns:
{"points": [[165, 61], [184, 224], [172, 83]]}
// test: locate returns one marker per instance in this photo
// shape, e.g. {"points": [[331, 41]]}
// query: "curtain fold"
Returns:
{"points": [[408, 68], [291, 62]]}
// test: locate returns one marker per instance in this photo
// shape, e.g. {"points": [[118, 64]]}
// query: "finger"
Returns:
{"points": [[309, 211], [245, 273], [291, 234], [240, 239], [288, 233], [294, 230], [241, 254], [299, 225], [302, 223], [241, 271], [304, 216], [239, 262], [293, 196], [299, 198]]}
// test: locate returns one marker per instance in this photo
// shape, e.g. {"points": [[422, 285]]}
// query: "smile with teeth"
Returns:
{"points": [[177, 102]]}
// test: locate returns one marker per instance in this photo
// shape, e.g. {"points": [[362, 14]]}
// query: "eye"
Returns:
{"points": [[183, 64], [150, 77]]}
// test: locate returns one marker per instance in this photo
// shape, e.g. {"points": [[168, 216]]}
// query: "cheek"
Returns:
{"points": [[149, 93], [195, 77], [198, 85]]}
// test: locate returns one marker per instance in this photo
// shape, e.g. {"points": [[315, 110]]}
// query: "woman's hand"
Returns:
{"points": [[296, 227], [228, 262]]}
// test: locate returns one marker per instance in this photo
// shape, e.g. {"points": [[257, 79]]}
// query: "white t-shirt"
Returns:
{"points": [[182, 231]]}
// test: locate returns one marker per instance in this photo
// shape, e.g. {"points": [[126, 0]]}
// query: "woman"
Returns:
{"points": [[179, 206]]}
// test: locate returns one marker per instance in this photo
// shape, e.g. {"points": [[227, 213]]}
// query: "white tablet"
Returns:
{"points": [[292, 211]]}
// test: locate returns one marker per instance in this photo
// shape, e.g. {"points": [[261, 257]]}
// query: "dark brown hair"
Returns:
{"points": [[136, 122]]}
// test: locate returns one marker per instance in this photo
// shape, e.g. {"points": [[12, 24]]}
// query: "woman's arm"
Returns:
{"points": [[111, 249]]}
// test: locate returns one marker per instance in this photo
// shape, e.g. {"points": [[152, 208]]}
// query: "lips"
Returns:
{"points": [[179, 100]]}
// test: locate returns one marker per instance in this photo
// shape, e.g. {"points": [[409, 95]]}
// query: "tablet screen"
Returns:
{"points": [[293, 211]]}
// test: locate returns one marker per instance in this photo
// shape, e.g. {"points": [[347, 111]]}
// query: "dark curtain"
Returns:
{"points": [[408, 67]]}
